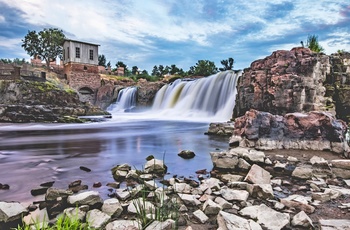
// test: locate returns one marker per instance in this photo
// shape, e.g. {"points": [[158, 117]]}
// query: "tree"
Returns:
{"points": [[312, 44], [228, 64], [121, 64], [47, 44], [134, 70], [109, 64], [155, 71], [102, 60], [204, 68]]}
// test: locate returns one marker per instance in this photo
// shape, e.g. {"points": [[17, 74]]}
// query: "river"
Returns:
{"points": [[31, 154]]}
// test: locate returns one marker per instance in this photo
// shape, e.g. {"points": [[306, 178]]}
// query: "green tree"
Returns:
{"points": [[161, 70], [134, 70], [228, 64], [102, 60], [109, 64], [155, 71], [313, 44], [121, 64], [47, 43], [204, 68]]}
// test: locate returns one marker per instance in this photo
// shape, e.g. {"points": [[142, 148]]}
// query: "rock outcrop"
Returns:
{"points": [[311, 131], [31, 101], [146, 91], [338, 84], [284, 82], [298, 80]]}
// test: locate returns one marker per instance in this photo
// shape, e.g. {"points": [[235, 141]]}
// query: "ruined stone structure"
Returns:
{"points": [[81, 68]]}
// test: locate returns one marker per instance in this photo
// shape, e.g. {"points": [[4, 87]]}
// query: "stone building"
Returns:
{"points": [[80, 60]]}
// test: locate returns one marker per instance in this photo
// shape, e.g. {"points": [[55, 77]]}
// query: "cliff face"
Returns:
{"points": [[285, 81], [338, 84]]}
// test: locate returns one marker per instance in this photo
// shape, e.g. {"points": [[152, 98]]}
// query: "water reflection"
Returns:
{"points": [[33, 154]]}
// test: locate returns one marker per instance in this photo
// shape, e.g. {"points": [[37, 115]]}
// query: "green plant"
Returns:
{"points": [[63, 223], [164, 209], [313, 44]]}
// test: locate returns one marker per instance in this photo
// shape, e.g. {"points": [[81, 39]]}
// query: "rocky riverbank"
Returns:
{"points": [[246, 189], [34, 101]]}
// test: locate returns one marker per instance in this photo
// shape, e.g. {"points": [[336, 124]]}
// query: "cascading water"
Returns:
{"points": [[126, 100], [213, 96]]}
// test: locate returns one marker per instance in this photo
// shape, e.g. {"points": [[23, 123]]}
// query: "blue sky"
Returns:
{"points": [[181, 32]]}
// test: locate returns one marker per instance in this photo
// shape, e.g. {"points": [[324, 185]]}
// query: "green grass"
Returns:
{"points": [[63, 223]]}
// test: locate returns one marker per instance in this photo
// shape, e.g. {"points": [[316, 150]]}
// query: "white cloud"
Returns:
{"points": [[2, 19], [10, 43]]}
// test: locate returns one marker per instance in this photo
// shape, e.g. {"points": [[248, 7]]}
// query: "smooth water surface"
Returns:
{"points": [[31, 154]]}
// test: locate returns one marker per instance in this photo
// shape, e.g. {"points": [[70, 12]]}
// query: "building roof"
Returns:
{"points": [[88, 43]]}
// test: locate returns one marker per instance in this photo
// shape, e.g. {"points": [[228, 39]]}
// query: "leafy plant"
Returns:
{"points": [[48, 44], [63, 223], [313, 44]]}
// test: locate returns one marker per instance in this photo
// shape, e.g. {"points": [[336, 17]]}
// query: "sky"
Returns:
{"points": [[145, 33]]}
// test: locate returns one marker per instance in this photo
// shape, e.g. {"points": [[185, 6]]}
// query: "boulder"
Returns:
{"points": [[97, 219], [187, 154], [90, 198], [302, 220], [52, 194], [258, 175], [112, 207], [123, 225], [234, 195], [200, 216], [75, 213], [302, 172], [263, 191], [162, 225], [266, 217], [189, 199], [230, 221], [155, 166], [306, 131], [11, 211], [211, 208], [224, 160]]}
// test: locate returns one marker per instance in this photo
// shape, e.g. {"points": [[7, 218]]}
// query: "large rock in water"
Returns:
{"points": [[311, 131]]}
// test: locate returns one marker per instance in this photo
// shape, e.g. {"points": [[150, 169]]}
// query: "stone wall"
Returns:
{"points": [[82, 75], [285, 81]]}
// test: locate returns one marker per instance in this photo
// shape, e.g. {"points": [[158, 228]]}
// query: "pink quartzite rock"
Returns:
{"points": [[310, 131]]}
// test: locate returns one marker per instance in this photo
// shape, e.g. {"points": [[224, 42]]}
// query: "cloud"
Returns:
{"points": [[153, 32]]}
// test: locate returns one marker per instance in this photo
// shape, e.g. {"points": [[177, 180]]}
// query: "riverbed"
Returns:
{"points": [[31, 154]]}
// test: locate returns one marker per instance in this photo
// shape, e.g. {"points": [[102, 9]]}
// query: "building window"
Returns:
{"points": [[77, 52], [91, 55], [68, 53], [64, 54]]}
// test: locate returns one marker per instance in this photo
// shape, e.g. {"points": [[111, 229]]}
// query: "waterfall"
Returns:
{"points": [[126, 100], [213, 96]]}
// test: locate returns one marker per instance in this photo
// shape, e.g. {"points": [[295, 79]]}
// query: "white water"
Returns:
{"points": [[212, 97], [126, 100]]}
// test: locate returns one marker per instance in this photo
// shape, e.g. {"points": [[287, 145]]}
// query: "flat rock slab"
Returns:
{"points": [[11, 211], [335, 224]]}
